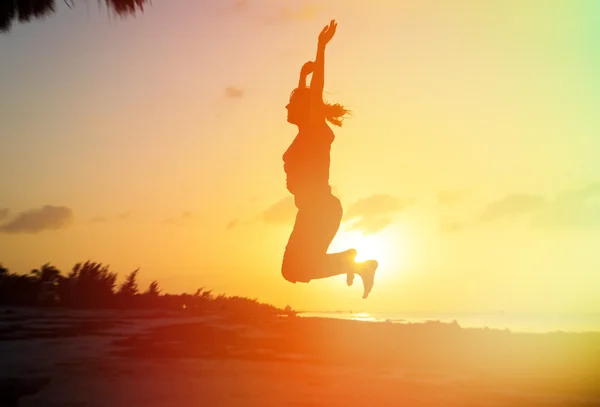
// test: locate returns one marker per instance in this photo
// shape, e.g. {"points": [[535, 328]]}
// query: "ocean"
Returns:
{"points": [[515, 322]]}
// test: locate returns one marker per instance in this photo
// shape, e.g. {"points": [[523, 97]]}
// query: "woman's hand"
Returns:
{"points": [[327, 33], [307, 68]]}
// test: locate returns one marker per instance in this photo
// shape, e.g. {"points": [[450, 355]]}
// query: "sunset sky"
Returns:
{"points": [[470, 168]]}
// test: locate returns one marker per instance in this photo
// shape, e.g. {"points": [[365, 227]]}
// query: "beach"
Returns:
{"points": [[165, 358]]}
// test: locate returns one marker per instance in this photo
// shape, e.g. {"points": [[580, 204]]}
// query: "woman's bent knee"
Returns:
{"points": [[294, 272]]}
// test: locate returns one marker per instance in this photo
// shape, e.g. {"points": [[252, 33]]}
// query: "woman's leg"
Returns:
{"points": [[343, 263], [305, 256]]}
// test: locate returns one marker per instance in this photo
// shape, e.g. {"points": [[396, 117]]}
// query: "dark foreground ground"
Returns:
{"points": [[116, 358]]}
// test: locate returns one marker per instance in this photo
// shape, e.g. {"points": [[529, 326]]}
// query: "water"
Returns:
{"points": [[515, 322]]}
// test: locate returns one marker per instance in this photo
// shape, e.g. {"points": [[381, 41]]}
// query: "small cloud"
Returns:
{"points": [[98, 219], [4, 212], [577, 196], [230, 8], [572, 209], [511, 206], [233, 92], [288, 14], [450, 226], [377, 204], [450, 196], [185, 217], [124, 215], [232, 224], [48, 217], [374, 212], [282, 212], [240, 4], [370, 225], [576, 208]]}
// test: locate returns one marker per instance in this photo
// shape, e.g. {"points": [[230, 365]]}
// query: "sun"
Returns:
{"points": [[382, 246]]}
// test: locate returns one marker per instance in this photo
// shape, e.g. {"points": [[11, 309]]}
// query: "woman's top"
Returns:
{"points": [[306, 163]]}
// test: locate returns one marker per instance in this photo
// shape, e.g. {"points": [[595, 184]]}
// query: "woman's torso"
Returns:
{"points": [[307, 161]]}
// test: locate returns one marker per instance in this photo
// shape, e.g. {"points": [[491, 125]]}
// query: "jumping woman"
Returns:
{"points": [[306, 164]]}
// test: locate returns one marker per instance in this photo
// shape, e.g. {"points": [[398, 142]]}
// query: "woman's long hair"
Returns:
{"points": [[334, 113]]}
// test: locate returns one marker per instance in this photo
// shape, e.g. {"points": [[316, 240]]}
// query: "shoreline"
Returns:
{"points": [[515, 322]]}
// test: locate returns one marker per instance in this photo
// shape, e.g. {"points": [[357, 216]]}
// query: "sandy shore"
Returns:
{"points": [[115, 358]]}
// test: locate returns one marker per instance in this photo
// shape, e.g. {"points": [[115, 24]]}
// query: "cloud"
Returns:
{"points": [[4, 212], [377, 204], [375, 212], [450, 196], [577, 208], [240, 4], [282, 212], [584, 195], [288, 14], [98, 219], [37, 220], [232, 8], [370, 225], [184, 218], [512, 206], [124, 215], [572, 209], [234, 92], [232, 224], [278, 13], [450, 226]]}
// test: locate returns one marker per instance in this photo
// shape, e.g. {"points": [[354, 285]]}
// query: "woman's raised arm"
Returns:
{"points": [[306, 70], [317, 81]]}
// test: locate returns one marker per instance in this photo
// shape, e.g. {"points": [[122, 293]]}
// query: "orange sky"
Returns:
{"points": [[469, 168]]}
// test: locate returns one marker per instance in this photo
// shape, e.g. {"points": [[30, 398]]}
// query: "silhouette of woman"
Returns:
{"points": [[306, 163]]}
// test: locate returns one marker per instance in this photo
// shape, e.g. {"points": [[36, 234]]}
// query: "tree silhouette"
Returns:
{"points": [[46, 280], [5, 281], [204, 294], [17, 289], [91, 284], [153, 290], [46, 274], [26, 10], [130, 287]]}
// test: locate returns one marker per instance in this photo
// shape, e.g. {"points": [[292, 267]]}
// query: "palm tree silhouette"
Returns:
{"points": [[46, 279], [153, 289], [129, 288], [26, 10], [92, 283], [46, 274]]}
